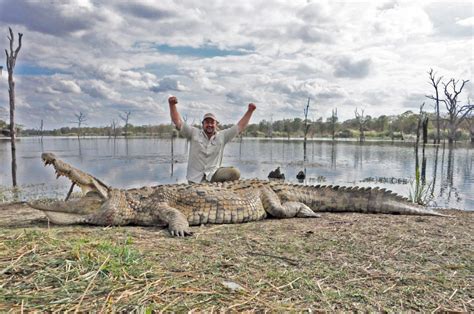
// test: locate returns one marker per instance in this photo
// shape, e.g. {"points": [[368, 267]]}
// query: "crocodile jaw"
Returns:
{"points": [[76, 210], [85, 181]]}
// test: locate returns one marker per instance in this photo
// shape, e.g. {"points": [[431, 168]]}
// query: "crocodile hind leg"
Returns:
{"points": [[274, 207]]}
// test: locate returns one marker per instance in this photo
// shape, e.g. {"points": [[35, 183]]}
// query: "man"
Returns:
{"points": [[207, 145]]}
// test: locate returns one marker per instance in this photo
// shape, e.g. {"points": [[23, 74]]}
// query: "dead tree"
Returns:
{"points": [[333, 122], [113, 130], [422, 125], [11, 60], [456, 112], [81, 117], [435, 82], [41, 130], [470, 122], [306, 129], [125, 117], [361, 122]]}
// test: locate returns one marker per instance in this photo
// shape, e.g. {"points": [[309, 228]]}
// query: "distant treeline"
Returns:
{"points": [[379, 127]]}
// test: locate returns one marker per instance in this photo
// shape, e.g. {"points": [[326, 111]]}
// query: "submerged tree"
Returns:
{"points": [[456, 112], [333, 121], [435, 83], [81, 118], [125, 117], [11, 60], [306, 129], [361, 122], [470, 122]]}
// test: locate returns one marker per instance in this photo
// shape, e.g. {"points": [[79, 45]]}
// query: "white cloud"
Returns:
{"points": [[98, 89], [469, 22], [167, 85], [107, 57], [347, 67], [207, 82], [59, 86]]}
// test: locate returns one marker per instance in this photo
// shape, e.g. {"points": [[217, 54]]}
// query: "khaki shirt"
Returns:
{"points": [[205, 155]]}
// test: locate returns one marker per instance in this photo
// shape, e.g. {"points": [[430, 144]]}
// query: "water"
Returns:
{"points": [[147, 161]]}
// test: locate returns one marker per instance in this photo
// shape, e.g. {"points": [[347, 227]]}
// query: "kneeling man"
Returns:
{"points": [[207, 145]]}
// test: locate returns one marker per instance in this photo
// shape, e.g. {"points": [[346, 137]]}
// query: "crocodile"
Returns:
{"points": [[179, 206]]}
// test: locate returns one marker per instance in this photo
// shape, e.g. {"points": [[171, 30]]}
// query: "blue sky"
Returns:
{"points": [[102, 58]]}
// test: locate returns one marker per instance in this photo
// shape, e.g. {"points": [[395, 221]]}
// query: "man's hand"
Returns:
{"points": [[252, 107], [173, 100], [175, 117]]}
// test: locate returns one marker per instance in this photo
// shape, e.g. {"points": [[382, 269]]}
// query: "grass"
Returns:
{"points": [[340, 262], [420, 192]]}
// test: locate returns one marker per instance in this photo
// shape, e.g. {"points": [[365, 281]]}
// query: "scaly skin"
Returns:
{"points": [[179, 206]]}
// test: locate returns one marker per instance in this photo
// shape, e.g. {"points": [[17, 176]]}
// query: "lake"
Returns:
{"points": [[136, 162]]}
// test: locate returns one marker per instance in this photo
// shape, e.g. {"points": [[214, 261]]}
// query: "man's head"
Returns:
{"points": [[209, 124]]}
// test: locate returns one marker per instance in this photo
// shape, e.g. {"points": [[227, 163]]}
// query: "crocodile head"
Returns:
{"points": [[85, 209]]}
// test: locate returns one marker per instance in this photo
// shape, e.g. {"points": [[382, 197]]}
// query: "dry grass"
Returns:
{"points": [[337, 262]]}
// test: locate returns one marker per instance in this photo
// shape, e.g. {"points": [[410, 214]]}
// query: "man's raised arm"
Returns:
{"points": [[242, 124], [175, 116]]}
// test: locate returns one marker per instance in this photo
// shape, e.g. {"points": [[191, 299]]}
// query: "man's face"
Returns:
{"points": [[209, 126]]}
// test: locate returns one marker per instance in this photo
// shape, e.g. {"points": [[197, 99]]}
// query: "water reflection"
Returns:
{"points": [[133, 162], [435, 170], [358, 157], [333, 155]]}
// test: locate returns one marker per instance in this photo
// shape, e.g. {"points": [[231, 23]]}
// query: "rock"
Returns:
{"points": [[232, 286]]}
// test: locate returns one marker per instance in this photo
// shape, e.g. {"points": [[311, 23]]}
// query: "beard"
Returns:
{"points": [[210, 130]]}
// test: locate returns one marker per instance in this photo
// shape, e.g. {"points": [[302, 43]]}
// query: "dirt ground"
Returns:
{"points": [[338, 262]]}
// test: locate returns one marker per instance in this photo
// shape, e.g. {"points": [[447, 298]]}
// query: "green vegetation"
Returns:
{"points": [[420, 192], [384, 127]]}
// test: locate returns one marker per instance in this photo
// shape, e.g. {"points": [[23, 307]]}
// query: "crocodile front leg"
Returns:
{"points": [[177, 222], [274, 207]]}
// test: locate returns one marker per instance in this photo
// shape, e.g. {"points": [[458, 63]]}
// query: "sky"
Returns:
{"points": [[105, 58]]}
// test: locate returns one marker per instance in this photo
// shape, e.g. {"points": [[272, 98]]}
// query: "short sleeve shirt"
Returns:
{"points": [[205, 155]]}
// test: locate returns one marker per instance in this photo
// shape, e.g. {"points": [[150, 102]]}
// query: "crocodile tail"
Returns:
{"points": [[387, 202], [329, 198]]}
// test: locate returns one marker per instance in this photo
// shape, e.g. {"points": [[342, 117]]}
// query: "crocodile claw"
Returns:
{"points": [[181, 233]]}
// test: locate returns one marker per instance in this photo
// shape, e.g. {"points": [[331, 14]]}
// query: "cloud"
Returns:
{"points": [[98, 89], [205, 81], [142, 10], [57, 86], [66, 86], [451, 20], [167, 84], [468, 22], [311, 34], [114, 74], [103, 57], [50, 17], [402, 22], [347, 67]]}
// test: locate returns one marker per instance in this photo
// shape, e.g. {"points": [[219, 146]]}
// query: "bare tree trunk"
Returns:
{"points": [[361, 121], [125, 119], [470, 124], [435, 83], [306, 128], [456, 113], [11, 60], [333, 123], [425, 130], [80, 119], [41, 130]]}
